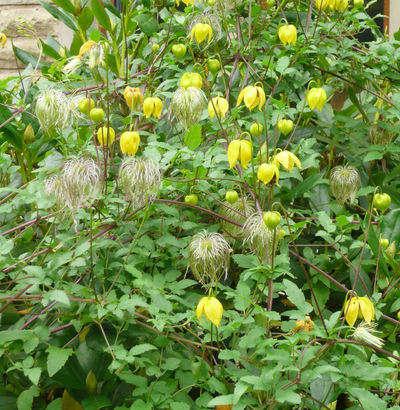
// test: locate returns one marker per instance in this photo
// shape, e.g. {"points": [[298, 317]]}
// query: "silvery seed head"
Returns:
{"points": [[365, 332], [78, 184], [261, 240], [96, 57], [52, 109], [238, 212], [209, 257], [187, 105], [345, 182], [140, 180]]}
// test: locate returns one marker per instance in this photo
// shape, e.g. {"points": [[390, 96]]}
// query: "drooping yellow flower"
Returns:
{"points": [[287, 159], [191, 79], [316, 98], [240, 150], [306, 325], [218, 106], [287, 34], [253, 96], [211, 308], [285, 126], [105, 136], [152, 106], [358, 308], [267, 172], [133, 97], [3, 40], [129, 142], [339, 5], [201, 32], [86, 47]]}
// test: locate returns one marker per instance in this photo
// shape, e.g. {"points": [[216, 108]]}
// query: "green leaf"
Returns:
{"points": [[147, 23], [69, 403], [193, 137], [142, 348], [59, 14], [296, 296], [221, 400], [58, 296], [287, 396], [57, 358], [100, 13], [65, 5], [368, 400], [25, 399], [85, 19]]}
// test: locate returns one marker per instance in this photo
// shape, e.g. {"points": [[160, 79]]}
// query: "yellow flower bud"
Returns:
{"points": [[201, 32], [152, 106], [391, 250], [29, 134], [287, 34], [253, 96], [285, 126], [316, 98], [191, 80], [266, 173], [240, 150], [218, 106], [86, 47], [287, 159], [133, 97], [105, 136], [3, 40], [129, 142], [358, 308], [211, 308]]}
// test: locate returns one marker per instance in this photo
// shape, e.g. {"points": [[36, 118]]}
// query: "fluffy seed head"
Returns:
{"points": [[77, 185], [52, 109], [187, 105], [239, 211], [345, 182], [366, 333], [140, 180], [262, 241], [209, 257]]}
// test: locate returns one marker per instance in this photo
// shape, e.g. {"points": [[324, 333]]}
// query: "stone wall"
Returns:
{"points": [[15, 12]]}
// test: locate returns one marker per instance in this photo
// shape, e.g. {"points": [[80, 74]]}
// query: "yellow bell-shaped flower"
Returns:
{"points": [[285, 126], [287, 34], [253, 96], [339, 5], [86, 47], [133, 97], [3, 40], [240, 150], [218, 106], [358, 308], [316, 98], [201, 32], [152, 107], [287, 159], [105, 136], [191, 79], [267, 172], [211, 308], [129, 142]]}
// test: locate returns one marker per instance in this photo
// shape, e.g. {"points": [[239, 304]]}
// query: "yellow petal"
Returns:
{"points": [[213, 310], [233, 152], [246, 152], [223, 106], [240, 98], [367, 309], [148, 106], [261, 97], [265, 173], [351, 308], [250, 97], [200, 307], [129, 142], [158, 107], [295, 160], [210, 108], [284, 159]]}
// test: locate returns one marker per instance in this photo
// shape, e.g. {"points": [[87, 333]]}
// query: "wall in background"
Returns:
{"points": [[25, 13], [394, 12]]}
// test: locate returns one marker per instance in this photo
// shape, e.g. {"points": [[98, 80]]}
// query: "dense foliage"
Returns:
{"points": [[200, 208]]}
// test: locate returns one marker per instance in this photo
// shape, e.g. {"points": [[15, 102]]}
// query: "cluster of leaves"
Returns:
{"points": [[98, 309]]}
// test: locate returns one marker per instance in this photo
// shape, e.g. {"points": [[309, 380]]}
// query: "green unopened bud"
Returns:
{"points": [[271, 219], [383, 243], [256, 129], [391, 250], [29, 134], [231, 196], [191, 199], [382, 201]]}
